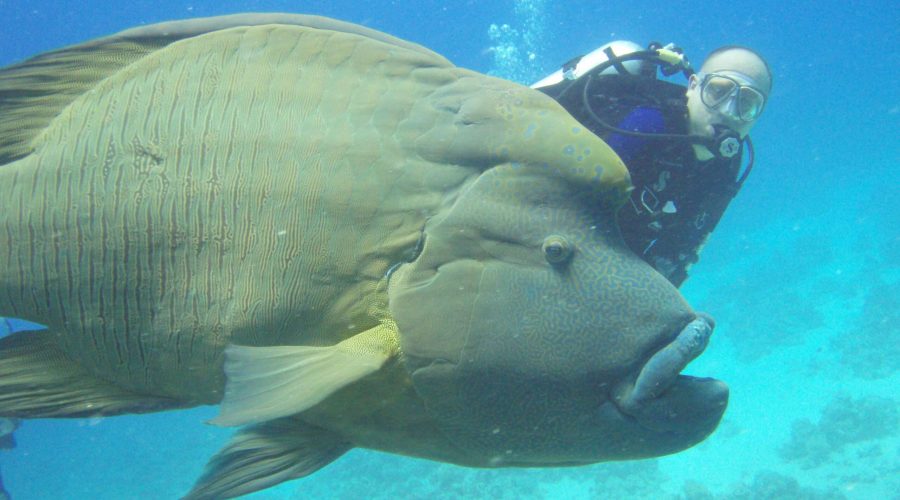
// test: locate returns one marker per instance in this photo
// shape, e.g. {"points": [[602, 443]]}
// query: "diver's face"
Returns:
{"points": [[747, 70]]}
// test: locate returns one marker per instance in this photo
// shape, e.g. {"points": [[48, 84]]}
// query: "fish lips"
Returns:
{"points": [[691, 406], [659, 398]]}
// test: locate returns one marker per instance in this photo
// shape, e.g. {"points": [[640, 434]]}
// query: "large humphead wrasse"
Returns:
{"points": [[341, 237]]}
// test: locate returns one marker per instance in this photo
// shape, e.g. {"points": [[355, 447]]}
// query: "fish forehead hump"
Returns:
{"points": [[247, 185]]}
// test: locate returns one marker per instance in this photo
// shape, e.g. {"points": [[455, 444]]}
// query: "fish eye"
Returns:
{"points": [[556, 249]]}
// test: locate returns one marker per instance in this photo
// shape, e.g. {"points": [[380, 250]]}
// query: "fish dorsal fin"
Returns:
{"points": [[35, 91]]}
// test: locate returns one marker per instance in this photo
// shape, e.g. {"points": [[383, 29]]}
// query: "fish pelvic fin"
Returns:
{"points": [[267, 454]]}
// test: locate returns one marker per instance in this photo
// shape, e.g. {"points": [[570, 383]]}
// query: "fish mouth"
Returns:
{"points": [[660, 398]]}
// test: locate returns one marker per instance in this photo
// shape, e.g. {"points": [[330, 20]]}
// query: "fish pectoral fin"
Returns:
{"points": [[264, 383], [267, 454], [38, 380]]}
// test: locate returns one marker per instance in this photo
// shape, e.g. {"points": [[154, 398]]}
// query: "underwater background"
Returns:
{"points": [[802, 274]]}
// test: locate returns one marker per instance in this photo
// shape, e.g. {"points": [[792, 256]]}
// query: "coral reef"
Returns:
{"points": [[765, 485], [871, 349], [638, 479], [844, 421]]}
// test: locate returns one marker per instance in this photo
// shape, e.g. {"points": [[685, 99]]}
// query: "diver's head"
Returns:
{"points": [[730, 90]]}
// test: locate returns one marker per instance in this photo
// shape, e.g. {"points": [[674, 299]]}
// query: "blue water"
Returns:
{"points": [[802, 274]]}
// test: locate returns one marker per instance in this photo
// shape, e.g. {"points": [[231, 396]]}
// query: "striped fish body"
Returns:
{"points": [[246, 185]]}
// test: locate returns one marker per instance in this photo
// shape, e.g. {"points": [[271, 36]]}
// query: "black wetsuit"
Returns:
{"points": [[677, 200]]}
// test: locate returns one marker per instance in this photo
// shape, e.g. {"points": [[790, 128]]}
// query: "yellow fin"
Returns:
{"points": [[264, 383]]}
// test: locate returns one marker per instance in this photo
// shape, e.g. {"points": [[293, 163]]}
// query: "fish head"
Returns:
{"points": [[524, 313]]}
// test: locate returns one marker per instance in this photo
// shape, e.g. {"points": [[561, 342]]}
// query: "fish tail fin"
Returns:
{"points": [[267, 454], [37, 380]]}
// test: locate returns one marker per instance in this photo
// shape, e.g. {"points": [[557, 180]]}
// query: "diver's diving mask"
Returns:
{"points": [[733, 94]]}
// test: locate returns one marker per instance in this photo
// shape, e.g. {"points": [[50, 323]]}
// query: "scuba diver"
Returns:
{"points": [[682, 146]]}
